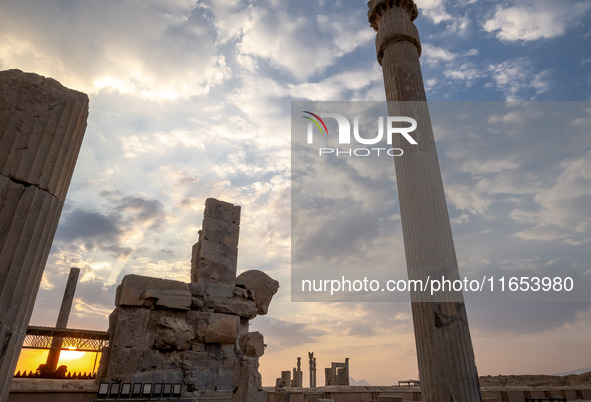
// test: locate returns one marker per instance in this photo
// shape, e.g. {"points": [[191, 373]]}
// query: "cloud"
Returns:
{"points": [[466, 198], [81, 224], [564, 211], [299, 45], [518, 80], [435, 10], [282, 334], [433, 55], [523, 317], [442, 11], [159, 50], [452, 66], [92, 231], [530, 20]]}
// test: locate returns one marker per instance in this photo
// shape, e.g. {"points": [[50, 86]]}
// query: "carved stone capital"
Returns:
{"points": [[377, 7]]}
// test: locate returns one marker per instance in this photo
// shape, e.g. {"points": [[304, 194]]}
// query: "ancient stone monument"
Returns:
{"points": [[445, 356], [42, 125], [337, 373], [312, 362], [298, 375], [53, 355], [194, 333]]}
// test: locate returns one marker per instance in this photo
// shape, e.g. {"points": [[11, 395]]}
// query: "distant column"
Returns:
{"points": [[62, 319], [42, 125], [312, 361], [445, 356]]}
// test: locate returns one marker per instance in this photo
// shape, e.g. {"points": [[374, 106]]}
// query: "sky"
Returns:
{"points": [[191, 99]]}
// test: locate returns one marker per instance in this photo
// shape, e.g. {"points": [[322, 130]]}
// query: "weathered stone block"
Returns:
{"points": [[220, 328], [248, 382], [137, 290], [223, 298], [219, 231], [222, 210], [238, 306], [212, 289], [207, 270], [221, 254], [123, 363], [171, 299], [130, 327], [252, 344], [261, 286], [173, 333]]}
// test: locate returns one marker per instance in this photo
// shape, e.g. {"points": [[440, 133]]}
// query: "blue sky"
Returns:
{"points": [[190, 100]]}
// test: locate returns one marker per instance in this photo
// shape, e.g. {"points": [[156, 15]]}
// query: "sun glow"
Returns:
{"points": [[71, 354], [77, 361]]}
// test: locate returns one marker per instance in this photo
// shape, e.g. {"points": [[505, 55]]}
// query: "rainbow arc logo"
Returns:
{"points": [[316, 120]]}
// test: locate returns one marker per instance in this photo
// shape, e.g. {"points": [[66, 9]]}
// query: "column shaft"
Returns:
{"points": [[53, 356], [42, 125], [445, 355]]}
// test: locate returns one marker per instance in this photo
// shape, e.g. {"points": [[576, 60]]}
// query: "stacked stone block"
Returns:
{"points": [[194, 333]]}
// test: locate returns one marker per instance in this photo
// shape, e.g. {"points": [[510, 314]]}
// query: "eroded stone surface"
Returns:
{"points": [[42, 125], [261, 286], [137, 290], [252, 344], [196, 333], [215, 255]]}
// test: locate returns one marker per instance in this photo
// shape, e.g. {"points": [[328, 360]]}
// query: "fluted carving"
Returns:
{"points": [[444, 347], [42, 125]]}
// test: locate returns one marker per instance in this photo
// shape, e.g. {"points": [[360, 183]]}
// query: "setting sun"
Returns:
{"points": [[76, 361]]}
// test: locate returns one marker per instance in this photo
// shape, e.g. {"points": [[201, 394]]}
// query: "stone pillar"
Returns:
{"points": [[312, 361], [42, 125], [53, 356], [215, 255], [329, 378], [298, 374], [286, 376], [445, 355]]}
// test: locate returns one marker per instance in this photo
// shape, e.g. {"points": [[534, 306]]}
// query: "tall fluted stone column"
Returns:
{"points": [[444, 348], [42, 125]]}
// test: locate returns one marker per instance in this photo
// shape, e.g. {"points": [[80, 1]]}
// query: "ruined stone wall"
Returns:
{"points": [[193, 333]]}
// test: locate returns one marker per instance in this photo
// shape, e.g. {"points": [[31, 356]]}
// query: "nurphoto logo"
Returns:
{"points": [[317, 124]]}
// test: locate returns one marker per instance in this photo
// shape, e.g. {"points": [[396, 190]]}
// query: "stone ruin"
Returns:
{"points": [[194, 333], [42, 124], [286, 380], [337, 373], [298, 375], [312, 362]]}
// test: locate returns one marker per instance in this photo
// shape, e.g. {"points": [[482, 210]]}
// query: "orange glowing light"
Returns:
{"points": [[77, 361]]}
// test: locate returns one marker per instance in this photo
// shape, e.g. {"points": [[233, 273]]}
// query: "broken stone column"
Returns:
{"points": [[298, 375], [62, 319], [194, 333], [444, 347], [215, 255], [286, 377], [329, 377], [42, 125]]}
